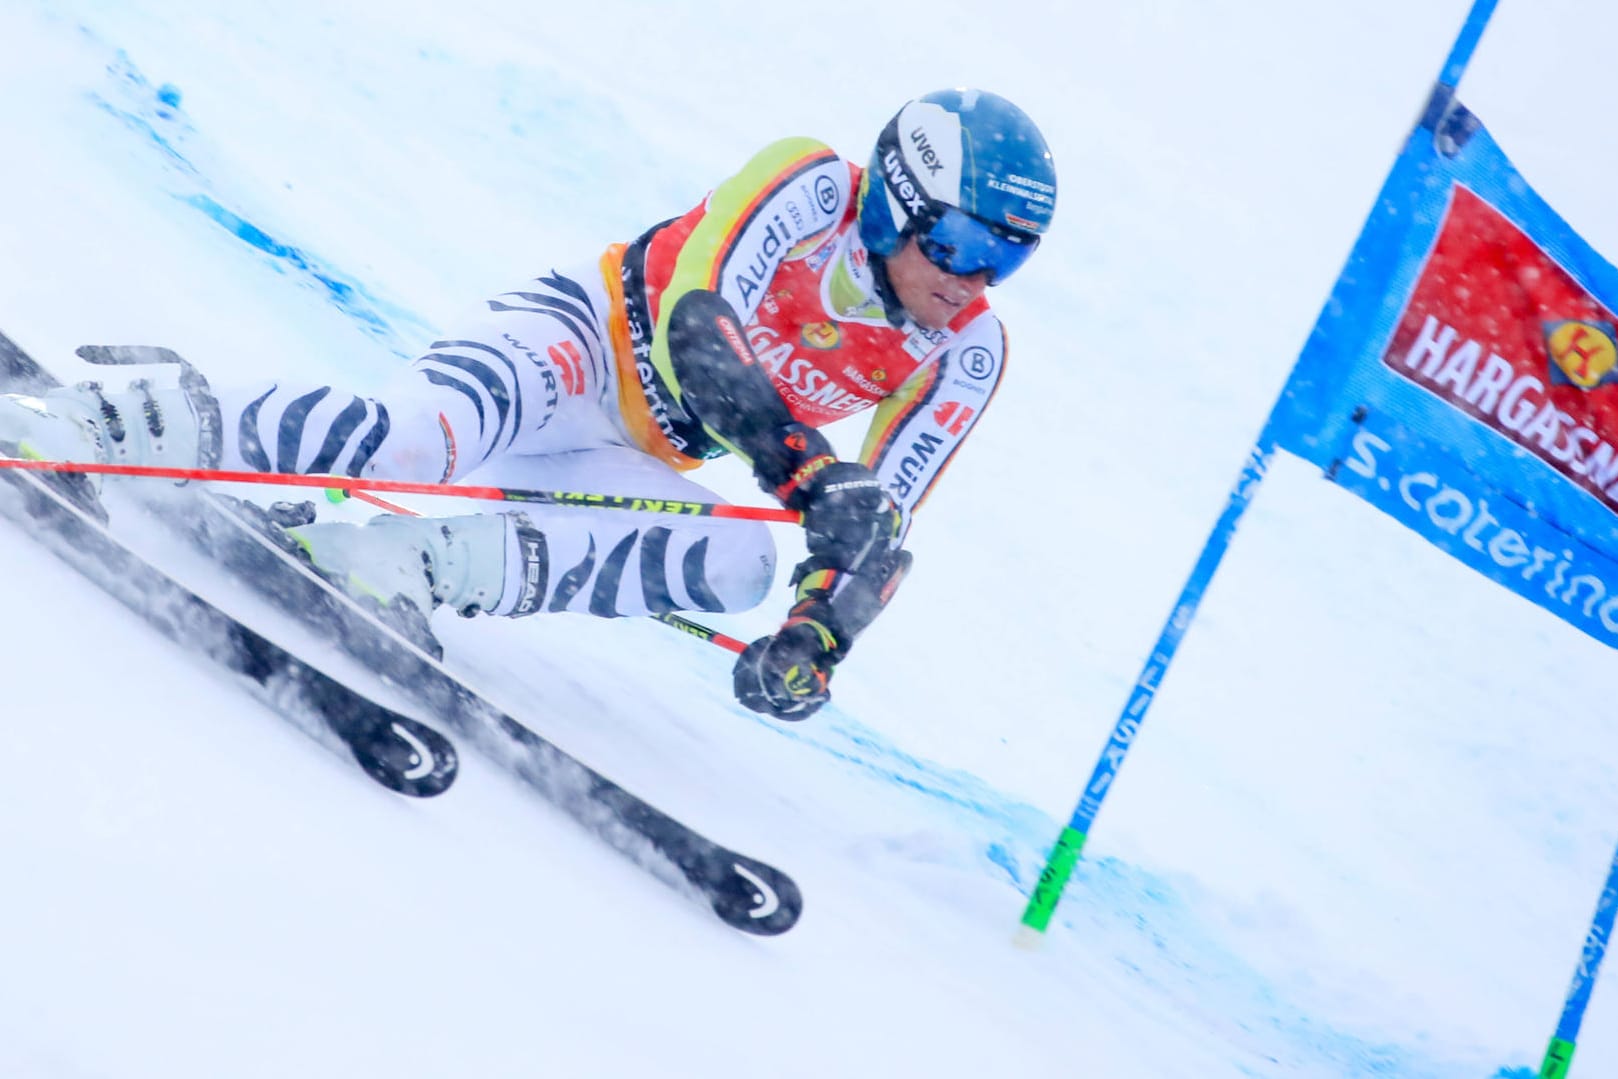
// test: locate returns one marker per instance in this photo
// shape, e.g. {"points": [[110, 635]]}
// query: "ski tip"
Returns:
{"points": [[756, 898], [408, 757]]}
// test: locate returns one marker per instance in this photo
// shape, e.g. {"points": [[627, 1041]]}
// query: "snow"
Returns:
{"points": [[1368, 818]]}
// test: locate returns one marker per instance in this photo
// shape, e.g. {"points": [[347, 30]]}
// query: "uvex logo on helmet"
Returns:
{"points": [[929, 156], [903, 184]]}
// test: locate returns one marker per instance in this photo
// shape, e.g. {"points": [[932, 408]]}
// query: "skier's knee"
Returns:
{"points": [[418, 448], [741, 564]]}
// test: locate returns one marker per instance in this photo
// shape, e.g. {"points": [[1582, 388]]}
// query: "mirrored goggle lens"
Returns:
{"points": [[959, 243]]}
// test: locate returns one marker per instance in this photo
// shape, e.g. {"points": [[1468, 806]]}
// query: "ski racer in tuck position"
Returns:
{"points": [[802, 290]]}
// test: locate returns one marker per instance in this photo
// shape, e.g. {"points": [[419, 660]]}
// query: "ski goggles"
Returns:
{"points": [[958, 243]]}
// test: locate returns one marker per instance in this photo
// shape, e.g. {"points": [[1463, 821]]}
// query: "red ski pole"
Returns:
{"points": [[673, 506]]}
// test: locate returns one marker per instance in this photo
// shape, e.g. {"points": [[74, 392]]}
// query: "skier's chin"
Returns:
{"points": [[934, 315]]}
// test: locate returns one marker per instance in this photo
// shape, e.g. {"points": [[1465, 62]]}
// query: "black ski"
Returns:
{"points": [[745, 893], [400, 753]]}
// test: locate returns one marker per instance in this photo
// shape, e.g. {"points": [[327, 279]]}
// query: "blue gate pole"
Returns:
{"points": [[1065, 853], [1466, 43], [1559, 1056]]}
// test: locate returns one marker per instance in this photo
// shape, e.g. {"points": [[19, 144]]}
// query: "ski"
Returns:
{"points": [[399, 753], [743, 892], [396, 751]]}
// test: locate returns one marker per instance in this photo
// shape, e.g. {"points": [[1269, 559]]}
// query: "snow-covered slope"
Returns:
{"points": [[1373, 805]]}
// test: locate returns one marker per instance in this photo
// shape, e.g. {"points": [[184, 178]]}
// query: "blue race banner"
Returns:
{"points": [[1463, 376]]}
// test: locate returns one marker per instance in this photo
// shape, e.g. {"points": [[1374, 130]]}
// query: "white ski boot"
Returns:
{"points": [[142, 425], [493, 563]]}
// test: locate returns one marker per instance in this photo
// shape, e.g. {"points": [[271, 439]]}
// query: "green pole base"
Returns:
{"points": [[1558, 1058], [1058, 868]]}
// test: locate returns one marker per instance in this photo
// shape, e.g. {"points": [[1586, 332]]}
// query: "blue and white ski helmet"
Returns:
{"points": [[967, 149]]}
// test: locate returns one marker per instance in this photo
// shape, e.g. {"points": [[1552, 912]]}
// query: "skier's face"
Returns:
{"points": [[931, 296]]}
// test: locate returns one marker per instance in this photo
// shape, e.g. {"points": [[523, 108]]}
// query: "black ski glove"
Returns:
{"points": [[848, 519], [788, 674]]}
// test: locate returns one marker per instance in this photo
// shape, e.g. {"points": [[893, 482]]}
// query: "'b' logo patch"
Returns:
{"points": [[1582, 354]]}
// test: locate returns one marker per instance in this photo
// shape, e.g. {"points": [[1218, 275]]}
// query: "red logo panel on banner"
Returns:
{"points": [[1502, 332]]}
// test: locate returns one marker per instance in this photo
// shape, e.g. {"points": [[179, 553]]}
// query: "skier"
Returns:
{"points": [[802, 290]]}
